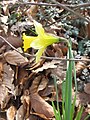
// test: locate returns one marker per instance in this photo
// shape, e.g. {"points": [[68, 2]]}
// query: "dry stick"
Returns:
{"points": [[54, 5], [64, 59], [74, 5], [79, 5], [43, 57], [57, 58]]}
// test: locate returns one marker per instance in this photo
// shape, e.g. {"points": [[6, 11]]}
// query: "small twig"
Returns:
{"points": [[73, 5], [64, 59], [79, 5], [57, 58]]}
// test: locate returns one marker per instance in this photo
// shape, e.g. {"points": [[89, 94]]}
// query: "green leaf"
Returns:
{"points": [[57, 113], [68, 89], [73, 108], [78, 117]]}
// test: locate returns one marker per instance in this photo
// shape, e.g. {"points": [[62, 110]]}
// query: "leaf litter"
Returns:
{"points": [[27, 88]]}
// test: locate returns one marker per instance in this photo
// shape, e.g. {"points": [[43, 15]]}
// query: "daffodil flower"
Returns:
{"points": [[39, 42]]}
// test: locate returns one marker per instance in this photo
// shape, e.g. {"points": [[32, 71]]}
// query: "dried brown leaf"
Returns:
{"points": [[1, 42], [47, 91], [41, 106], [34, 66], [5, 101], [8, 77], [2, 49], [47, 65], [11, 113], [24, 80], [15, 41], [60, 71], [6, 10], [14, 58], [87, 88], [4, 18], [20, 26], [89, 66], [88, 30], [36, 116], [83, 98], [58, 50], [88, 108], [2, 116], [26, 104], [36, 82], [50, 52], [43, 84], [22, 75], [80, 66], [3, 93], [20, 113], [32, 11], [1, 71]]}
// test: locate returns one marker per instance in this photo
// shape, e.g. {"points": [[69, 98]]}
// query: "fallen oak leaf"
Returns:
{"points": [[40, 106], [14, 58], [47, 65]]}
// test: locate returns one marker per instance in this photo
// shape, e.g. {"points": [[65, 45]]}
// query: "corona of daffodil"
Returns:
{"points": [[40, 42]]}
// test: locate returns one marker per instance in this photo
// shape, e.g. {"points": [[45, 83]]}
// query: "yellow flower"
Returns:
{"points": [[39, 42]]}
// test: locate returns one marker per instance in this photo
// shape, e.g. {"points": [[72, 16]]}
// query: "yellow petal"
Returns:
{"points": [[39, 54], [27, 41], [39, 29], [38, 43], [47, 40], [50, 39]]}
